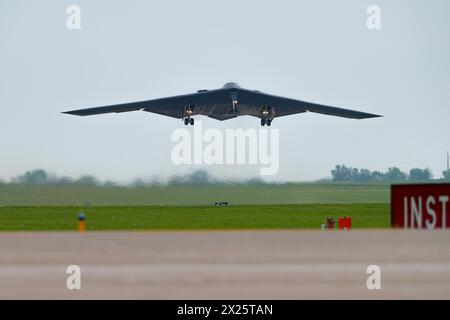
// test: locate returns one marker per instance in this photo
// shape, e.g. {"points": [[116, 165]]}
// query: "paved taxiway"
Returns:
{"points": [[226, 264]]}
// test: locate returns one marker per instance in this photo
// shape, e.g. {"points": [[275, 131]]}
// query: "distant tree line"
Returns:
{"points": [[41, 177], [340, 173], [393, 174], [195, 178]]}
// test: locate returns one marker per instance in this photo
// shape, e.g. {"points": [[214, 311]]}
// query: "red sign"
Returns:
{"points": [[345, 223], [424, 206]]}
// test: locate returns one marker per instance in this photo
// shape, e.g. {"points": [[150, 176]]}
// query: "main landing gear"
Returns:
{"points": [[188, 111], [188, 121], [267, 114]]}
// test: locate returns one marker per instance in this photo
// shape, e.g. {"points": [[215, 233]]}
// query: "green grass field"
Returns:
{"points": [[192, 195], [190, 207], [191, 217]]}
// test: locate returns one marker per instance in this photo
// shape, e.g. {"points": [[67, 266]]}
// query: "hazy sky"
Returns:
{"points": [[318, 51]]}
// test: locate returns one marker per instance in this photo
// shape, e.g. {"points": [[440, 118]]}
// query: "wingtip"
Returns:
{"points": [[73, 113], [371, 116]]}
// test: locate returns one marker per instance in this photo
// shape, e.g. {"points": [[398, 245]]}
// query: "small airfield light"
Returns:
{"points": [[81, 222]]}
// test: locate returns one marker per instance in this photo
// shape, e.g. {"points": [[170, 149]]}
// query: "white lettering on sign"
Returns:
{"points": [[417, 212], [431, 212], [443, 200]]}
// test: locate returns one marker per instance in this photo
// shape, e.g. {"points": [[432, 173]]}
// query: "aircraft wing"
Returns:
{"points": [[286, 106], [171, 106], [217, 104]]}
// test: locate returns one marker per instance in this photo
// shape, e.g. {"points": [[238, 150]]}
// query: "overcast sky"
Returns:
{"points": [[318, 51]]}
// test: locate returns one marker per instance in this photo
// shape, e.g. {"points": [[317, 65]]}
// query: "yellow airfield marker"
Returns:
{"points": [[81, 222]]}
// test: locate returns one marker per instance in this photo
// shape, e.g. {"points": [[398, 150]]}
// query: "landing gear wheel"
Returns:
{"points": [[186, 121], [268, 122], [192, 121], [263, 122]]}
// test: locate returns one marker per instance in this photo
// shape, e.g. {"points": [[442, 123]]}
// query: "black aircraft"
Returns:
{"points": [[229, 102]]}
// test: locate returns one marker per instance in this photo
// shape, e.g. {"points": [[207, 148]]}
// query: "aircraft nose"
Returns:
{"points": [[231, 85]]}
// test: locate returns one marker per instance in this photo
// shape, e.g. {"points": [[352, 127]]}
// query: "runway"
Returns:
{"points": [[226, 264]]}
